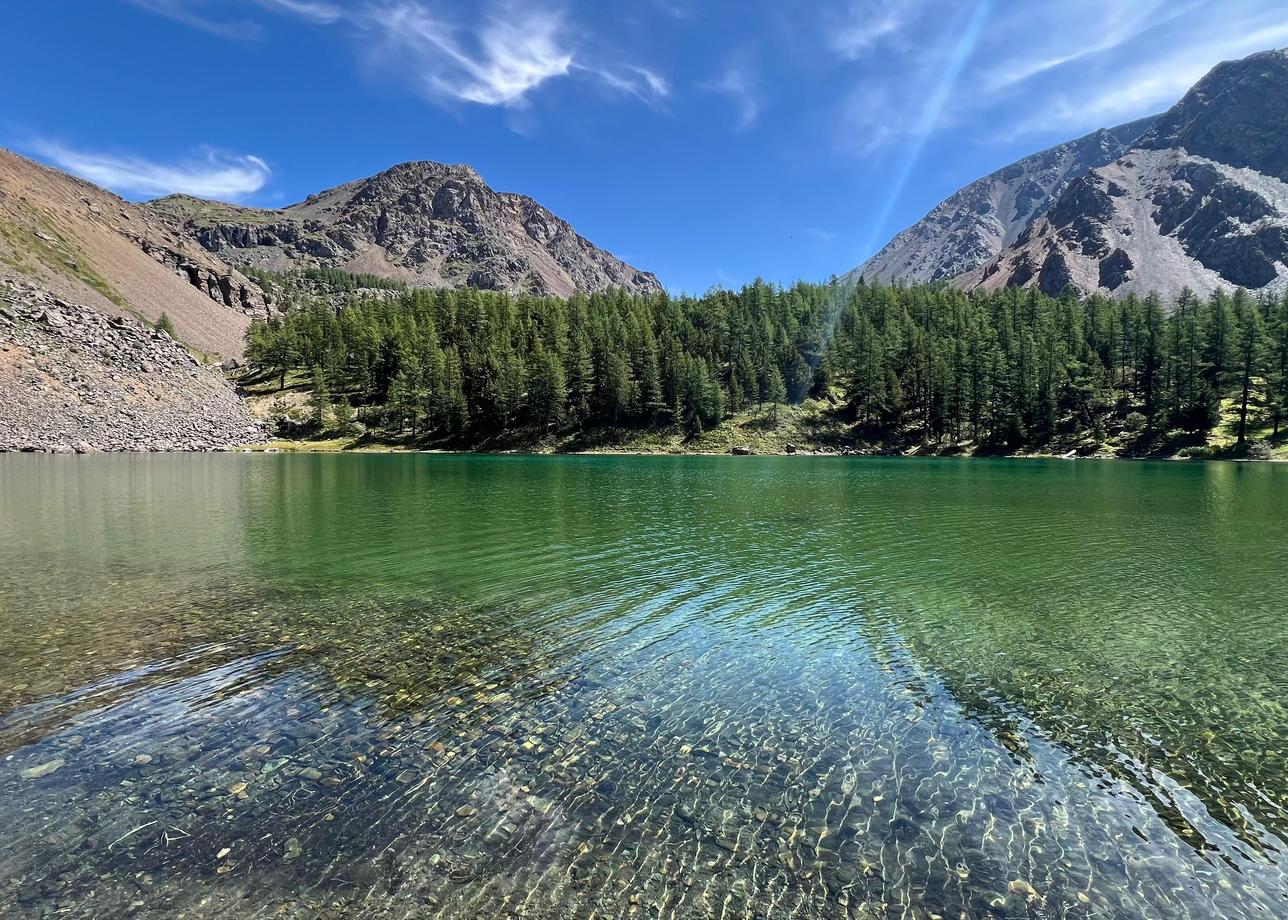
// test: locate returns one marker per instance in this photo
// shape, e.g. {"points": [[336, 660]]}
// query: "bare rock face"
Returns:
{"points": [[979, 221], [424, 223], [1237, 115], [1200, 202], [75, 380]]}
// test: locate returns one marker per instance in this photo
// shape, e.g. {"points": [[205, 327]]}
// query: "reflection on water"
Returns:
{"points": [[573, 687]]}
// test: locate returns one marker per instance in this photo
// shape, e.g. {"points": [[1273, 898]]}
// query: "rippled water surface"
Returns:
{"points": [[480, 687]]}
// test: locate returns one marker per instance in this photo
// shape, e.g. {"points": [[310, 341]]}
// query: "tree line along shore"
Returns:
{"points": [[836, 367]]}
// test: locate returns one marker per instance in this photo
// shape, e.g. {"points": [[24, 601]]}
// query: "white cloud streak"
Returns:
{"points": [[738, 86], [510, 51], [209, 174], [868, 23], [1056, 68], [1115, 25], [317, 11], [493, 53], [187, 12], [1152, 85], [513, 51], [633, 80]]}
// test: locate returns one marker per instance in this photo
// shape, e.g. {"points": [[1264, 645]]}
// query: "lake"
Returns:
{"points": [[482, 686]]}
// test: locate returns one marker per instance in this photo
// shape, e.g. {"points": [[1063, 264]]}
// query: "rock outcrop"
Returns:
{"points": [[75, 380], [977, 222], [1200, 202], [87, 245], [427, 224]]}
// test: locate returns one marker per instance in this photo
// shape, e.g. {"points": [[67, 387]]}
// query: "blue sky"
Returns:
{"points": [[710, 142]]}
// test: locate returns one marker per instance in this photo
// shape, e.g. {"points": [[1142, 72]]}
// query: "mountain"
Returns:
{"points": [[977, 222], [84, 276], [1200, 201], [424, 223], [84, 244]]}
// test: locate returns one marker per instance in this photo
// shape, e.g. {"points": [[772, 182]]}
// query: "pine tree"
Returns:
{"points": [[548, 390], [342, 414], [775, 393], [1252, 332], [321, 399]]}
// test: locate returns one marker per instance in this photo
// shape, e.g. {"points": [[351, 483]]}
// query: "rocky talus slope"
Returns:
{"points": [[73, 379], [1200, 202], [428, 224], [978, 221]]}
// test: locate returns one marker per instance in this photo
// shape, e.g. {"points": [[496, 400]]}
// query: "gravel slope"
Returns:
{"points": [[75, 380]]}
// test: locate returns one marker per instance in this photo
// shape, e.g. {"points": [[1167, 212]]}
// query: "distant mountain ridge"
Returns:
{"points": [[1199, 202], [978, 221], [424, 223]]}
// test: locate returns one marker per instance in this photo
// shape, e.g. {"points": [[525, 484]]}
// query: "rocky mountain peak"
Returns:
{"points": [[424, 223], [1200, 201], [1237, 114], [404, 182]]}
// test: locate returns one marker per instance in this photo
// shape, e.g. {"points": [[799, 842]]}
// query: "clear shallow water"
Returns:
{"points": [[237, 686]]}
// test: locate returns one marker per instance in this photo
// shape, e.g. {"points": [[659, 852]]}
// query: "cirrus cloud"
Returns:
{"points": [[492, 53], [511, 52], [210, 173]]}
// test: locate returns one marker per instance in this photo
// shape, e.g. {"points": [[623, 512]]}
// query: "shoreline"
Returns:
{"points": [[304, 447]]}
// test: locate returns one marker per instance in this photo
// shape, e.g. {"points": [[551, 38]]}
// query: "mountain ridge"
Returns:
{"points": [[422, 222], [975, 223], [1200, 201]]}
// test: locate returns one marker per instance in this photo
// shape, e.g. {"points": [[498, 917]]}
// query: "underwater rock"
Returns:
{"points": [[1024, 889], [43, 770]]}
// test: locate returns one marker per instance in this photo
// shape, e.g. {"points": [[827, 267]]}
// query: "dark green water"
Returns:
{"points": [[478, 687]]}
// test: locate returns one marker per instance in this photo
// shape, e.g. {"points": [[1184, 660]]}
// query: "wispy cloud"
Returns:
{"points": [[497, 56], [1143, 85], [317, 11], [189, 13], [895, 53], [208, 174], [513, 51], [1050, 68], [1107, 26], [866, 24], [491, 52], [736, 84], [644, 84]]}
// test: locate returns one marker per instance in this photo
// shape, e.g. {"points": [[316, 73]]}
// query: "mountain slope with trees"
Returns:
{"points": [[883, 368]]}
